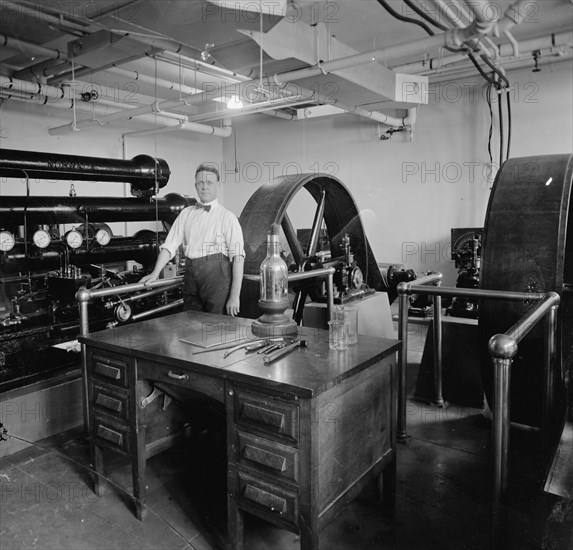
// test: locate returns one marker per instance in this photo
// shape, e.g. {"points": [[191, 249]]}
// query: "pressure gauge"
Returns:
{"points": [[103, 236], [123, 312], [7, 241], [74, 238], [357, 278], [41, 238]]}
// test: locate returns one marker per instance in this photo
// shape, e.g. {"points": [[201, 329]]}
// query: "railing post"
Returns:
{"points": [[549, 373], [502, 349], [402, 361], [329, 295], [83, 296], [438, 397]]}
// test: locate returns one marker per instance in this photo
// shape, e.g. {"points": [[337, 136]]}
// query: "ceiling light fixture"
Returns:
{"points": [[234, 103]]}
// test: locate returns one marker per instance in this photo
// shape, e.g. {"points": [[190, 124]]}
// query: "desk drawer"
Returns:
{"points": [[266, 499], [111, 368], [110, 400], [268, 456], [269, 415], [111, 434]]}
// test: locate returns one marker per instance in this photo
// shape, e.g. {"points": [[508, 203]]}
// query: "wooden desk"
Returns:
{"points": [[304, 435]]}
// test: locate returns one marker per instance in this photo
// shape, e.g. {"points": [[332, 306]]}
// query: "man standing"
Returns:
{"points": [[212, 241]]}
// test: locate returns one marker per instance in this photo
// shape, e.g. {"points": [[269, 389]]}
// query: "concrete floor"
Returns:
{"points": [[443, 498]]}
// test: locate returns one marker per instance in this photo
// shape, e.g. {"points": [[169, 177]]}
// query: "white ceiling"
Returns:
{"points": [[191, 25]]}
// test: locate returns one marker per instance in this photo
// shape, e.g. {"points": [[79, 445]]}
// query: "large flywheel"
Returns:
{"points": [[335, 211], [528, 247]]}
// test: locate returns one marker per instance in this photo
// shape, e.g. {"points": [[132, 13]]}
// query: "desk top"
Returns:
{"points": [[306, 372]]}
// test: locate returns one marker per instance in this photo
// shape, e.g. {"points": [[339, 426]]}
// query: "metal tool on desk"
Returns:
{"points": [[281, 352], [272, 347], [249, 346], [215, 348]]}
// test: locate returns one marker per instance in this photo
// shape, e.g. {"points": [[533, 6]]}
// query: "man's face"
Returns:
{"points": [[207, 186]]}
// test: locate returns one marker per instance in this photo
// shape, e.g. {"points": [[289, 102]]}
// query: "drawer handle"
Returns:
{"points": [[261, 415], [177, 376], [265, 458], [272, 502], [108, 371], [109, 402], [109, 434]]}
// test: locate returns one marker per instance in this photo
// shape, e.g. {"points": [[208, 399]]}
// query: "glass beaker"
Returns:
{"points": [[349, 315], [337, 335]]}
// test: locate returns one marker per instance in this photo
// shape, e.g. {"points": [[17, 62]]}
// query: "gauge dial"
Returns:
{"points": [[357, 278], [103, 236], [41, 238], [123, 312], [7, 241], [74, 238]]}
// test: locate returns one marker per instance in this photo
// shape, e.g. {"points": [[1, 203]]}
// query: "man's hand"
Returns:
{"points": [[148, 279], [233, 306]]}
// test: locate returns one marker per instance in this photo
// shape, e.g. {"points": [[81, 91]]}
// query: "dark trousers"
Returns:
{"points": [[207, 283]]}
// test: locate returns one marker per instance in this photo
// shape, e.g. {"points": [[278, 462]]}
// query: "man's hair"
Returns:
{"points": [[207, 168]]}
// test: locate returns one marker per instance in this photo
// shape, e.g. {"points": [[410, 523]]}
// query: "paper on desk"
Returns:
{"points": [[72, 345]]}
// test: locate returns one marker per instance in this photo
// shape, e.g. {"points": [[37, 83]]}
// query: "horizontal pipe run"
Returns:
{"points": [[142, 171], [85, 295], [160, 309], [55, 210], [292, 277], [470, 292]]}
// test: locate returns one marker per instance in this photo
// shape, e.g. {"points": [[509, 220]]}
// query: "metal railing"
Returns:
{"points": [[502, 348], [84, 297]]}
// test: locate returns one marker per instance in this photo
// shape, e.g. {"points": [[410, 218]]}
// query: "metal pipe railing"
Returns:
{"points": [[83, 297], [418, 287], [404, 290], [503, 348]]}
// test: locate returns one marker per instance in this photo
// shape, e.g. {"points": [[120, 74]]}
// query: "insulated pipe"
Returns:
{"points": [[27, 47], [514, 15], [224, 131], [51, 92], [160, 82], [464, 32], [142, 172], [56, 210]]}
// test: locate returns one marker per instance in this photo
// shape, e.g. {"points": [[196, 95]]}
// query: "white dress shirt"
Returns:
{"points": [[203, 233]]}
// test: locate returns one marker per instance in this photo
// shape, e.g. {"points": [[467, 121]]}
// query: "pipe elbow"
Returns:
{"points": [[83, 294], [502, 346]]}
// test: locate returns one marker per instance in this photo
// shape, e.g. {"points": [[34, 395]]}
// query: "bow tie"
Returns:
{"points": [[201, 206]]}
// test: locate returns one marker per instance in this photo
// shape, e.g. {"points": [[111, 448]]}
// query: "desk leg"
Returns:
{"points": [[388, 491], [235, 524], [309, 534], [97, 465], [138, 475]]}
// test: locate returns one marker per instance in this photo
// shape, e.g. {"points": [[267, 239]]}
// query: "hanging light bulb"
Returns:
{"points": [[234, 103]]}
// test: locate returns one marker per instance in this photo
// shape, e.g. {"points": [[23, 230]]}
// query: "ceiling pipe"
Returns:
{"points": [[134, 75], [487, 45], [551, 43], [170, 120], [159, 82], [515, 64], [52, 92], [471, 33], [224, 131], [28, 48]]}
